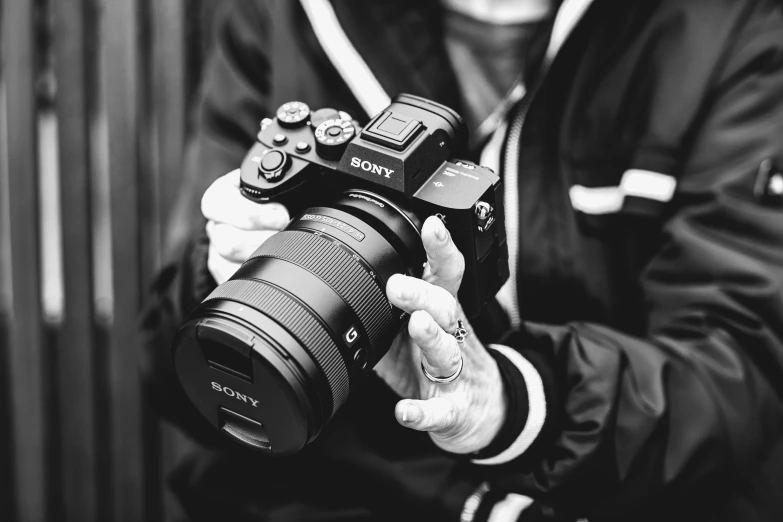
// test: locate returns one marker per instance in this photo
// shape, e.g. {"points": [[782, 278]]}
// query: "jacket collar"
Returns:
{"points": [[400, 43], [386, 47]]}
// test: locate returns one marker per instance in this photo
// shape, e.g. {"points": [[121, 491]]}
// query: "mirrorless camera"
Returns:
{"points": [[273, 353]]}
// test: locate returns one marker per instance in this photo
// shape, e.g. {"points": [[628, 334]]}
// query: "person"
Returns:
{"points": [[637, 372]]}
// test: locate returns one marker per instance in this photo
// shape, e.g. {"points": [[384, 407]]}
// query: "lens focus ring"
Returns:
{"points": [[338, 269], [297, 320]]}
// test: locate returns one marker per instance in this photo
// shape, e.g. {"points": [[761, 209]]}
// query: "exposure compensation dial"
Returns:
{"points": [[332, 137]]}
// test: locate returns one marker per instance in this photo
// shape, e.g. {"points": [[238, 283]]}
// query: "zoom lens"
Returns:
{"points": [[272, 354]]}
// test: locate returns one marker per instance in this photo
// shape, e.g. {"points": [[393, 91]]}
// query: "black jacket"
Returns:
{"points": [[654, 319]]}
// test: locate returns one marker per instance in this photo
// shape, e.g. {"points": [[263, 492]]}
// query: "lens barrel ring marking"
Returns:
{"points": [[298, 320], [321, 256]]}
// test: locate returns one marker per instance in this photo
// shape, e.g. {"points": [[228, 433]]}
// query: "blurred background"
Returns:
{"points": [[93, 120]]}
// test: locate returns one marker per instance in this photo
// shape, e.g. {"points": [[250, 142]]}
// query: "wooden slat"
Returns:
{"points": [[168, 100], [169, 55], [146, 152], [7, 502], [5, 226], [76, 347], [25, 326], [120, 73]]}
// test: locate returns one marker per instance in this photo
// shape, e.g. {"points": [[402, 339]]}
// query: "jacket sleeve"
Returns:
{"points": [[231, 101], [642, 424]]}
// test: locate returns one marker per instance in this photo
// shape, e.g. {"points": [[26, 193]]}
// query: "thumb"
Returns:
{"points": [[437, 415]]}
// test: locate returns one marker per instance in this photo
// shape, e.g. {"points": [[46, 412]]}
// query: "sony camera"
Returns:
{"points": [[273, 353]]}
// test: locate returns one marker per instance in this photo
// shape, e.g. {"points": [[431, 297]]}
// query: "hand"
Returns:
{"points": [[236, 226], [462, 416]]}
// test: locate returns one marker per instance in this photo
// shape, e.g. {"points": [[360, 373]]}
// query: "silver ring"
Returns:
{"points": [[461, 333], [444, 380]]}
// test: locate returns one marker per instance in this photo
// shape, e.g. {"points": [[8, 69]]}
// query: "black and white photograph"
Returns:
{"points": [[391, 260]]}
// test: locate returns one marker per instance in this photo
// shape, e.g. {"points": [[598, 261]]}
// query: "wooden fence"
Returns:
{"points": [[93, 97]]}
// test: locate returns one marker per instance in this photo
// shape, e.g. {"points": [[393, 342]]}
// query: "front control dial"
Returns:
{"points": [[332, 137], [293, 114]]}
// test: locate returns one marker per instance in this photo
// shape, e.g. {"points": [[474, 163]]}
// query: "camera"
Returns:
{"points": [[271, 355]]}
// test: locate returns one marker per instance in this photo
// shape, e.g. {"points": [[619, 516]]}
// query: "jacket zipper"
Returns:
{"points": [[511, 195], [571, 12]]}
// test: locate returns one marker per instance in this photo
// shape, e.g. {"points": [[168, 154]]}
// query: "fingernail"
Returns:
{"points": [[440, 230], [410, 413]]}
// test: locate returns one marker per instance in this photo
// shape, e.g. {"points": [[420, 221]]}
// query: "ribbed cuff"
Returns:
{"points": [[526, 408]]}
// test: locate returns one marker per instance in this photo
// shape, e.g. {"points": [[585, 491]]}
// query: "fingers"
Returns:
{"points": [[224, 203], [437, 415], [440, 351], [411, 294], [221, 268], [235, 244], [445, 263], [236, 226]]}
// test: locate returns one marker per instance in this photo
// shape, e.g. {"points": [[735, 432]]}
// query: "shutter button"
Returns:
{"points": [[273, 165]]}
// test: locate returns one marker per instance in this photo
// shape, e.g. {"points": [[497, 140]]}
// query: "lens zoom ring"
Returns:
{"points": [[296, 319], [339, 270]]}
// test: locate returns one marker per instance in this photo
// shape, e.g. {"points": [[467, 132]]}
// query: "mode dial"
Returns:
{"points": [[332, 137], [293, 114]]}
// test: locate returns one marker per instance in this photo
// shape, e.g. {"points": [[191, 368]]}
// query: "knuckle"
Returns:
{"points": [[459, 263], [452, 314], [228, 252], [455, 354], [206, 199], [274, 215], [418, 327], [447, 417], [424, 296], [434, 417], [444, 344]]}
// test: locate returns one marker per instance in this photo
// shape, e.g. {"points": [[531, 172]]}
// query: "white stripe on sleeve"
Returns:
{"points": [[635, 182], [600, 200], [648, 184]]}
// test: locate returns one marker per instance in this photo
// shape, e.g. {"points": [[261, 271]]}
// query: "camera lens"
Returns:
{"points": [[272, 354]]}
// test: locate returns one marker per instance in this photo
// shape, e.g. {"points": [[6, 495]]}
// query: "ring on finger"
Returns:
{"points": [[447, 379], [461, 333]]}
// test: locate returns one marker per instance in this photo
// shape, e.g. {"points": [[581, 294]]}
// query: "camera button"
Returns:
{"points": [[293, 114], [302, 147], [332, 137], [360, 360], [280, 139], [485, 215], [273, 165]]}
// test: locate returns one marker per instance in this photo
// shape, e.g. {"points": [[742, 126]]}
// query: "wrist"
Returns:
{"points": [[496, 411], [524, 404]]}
